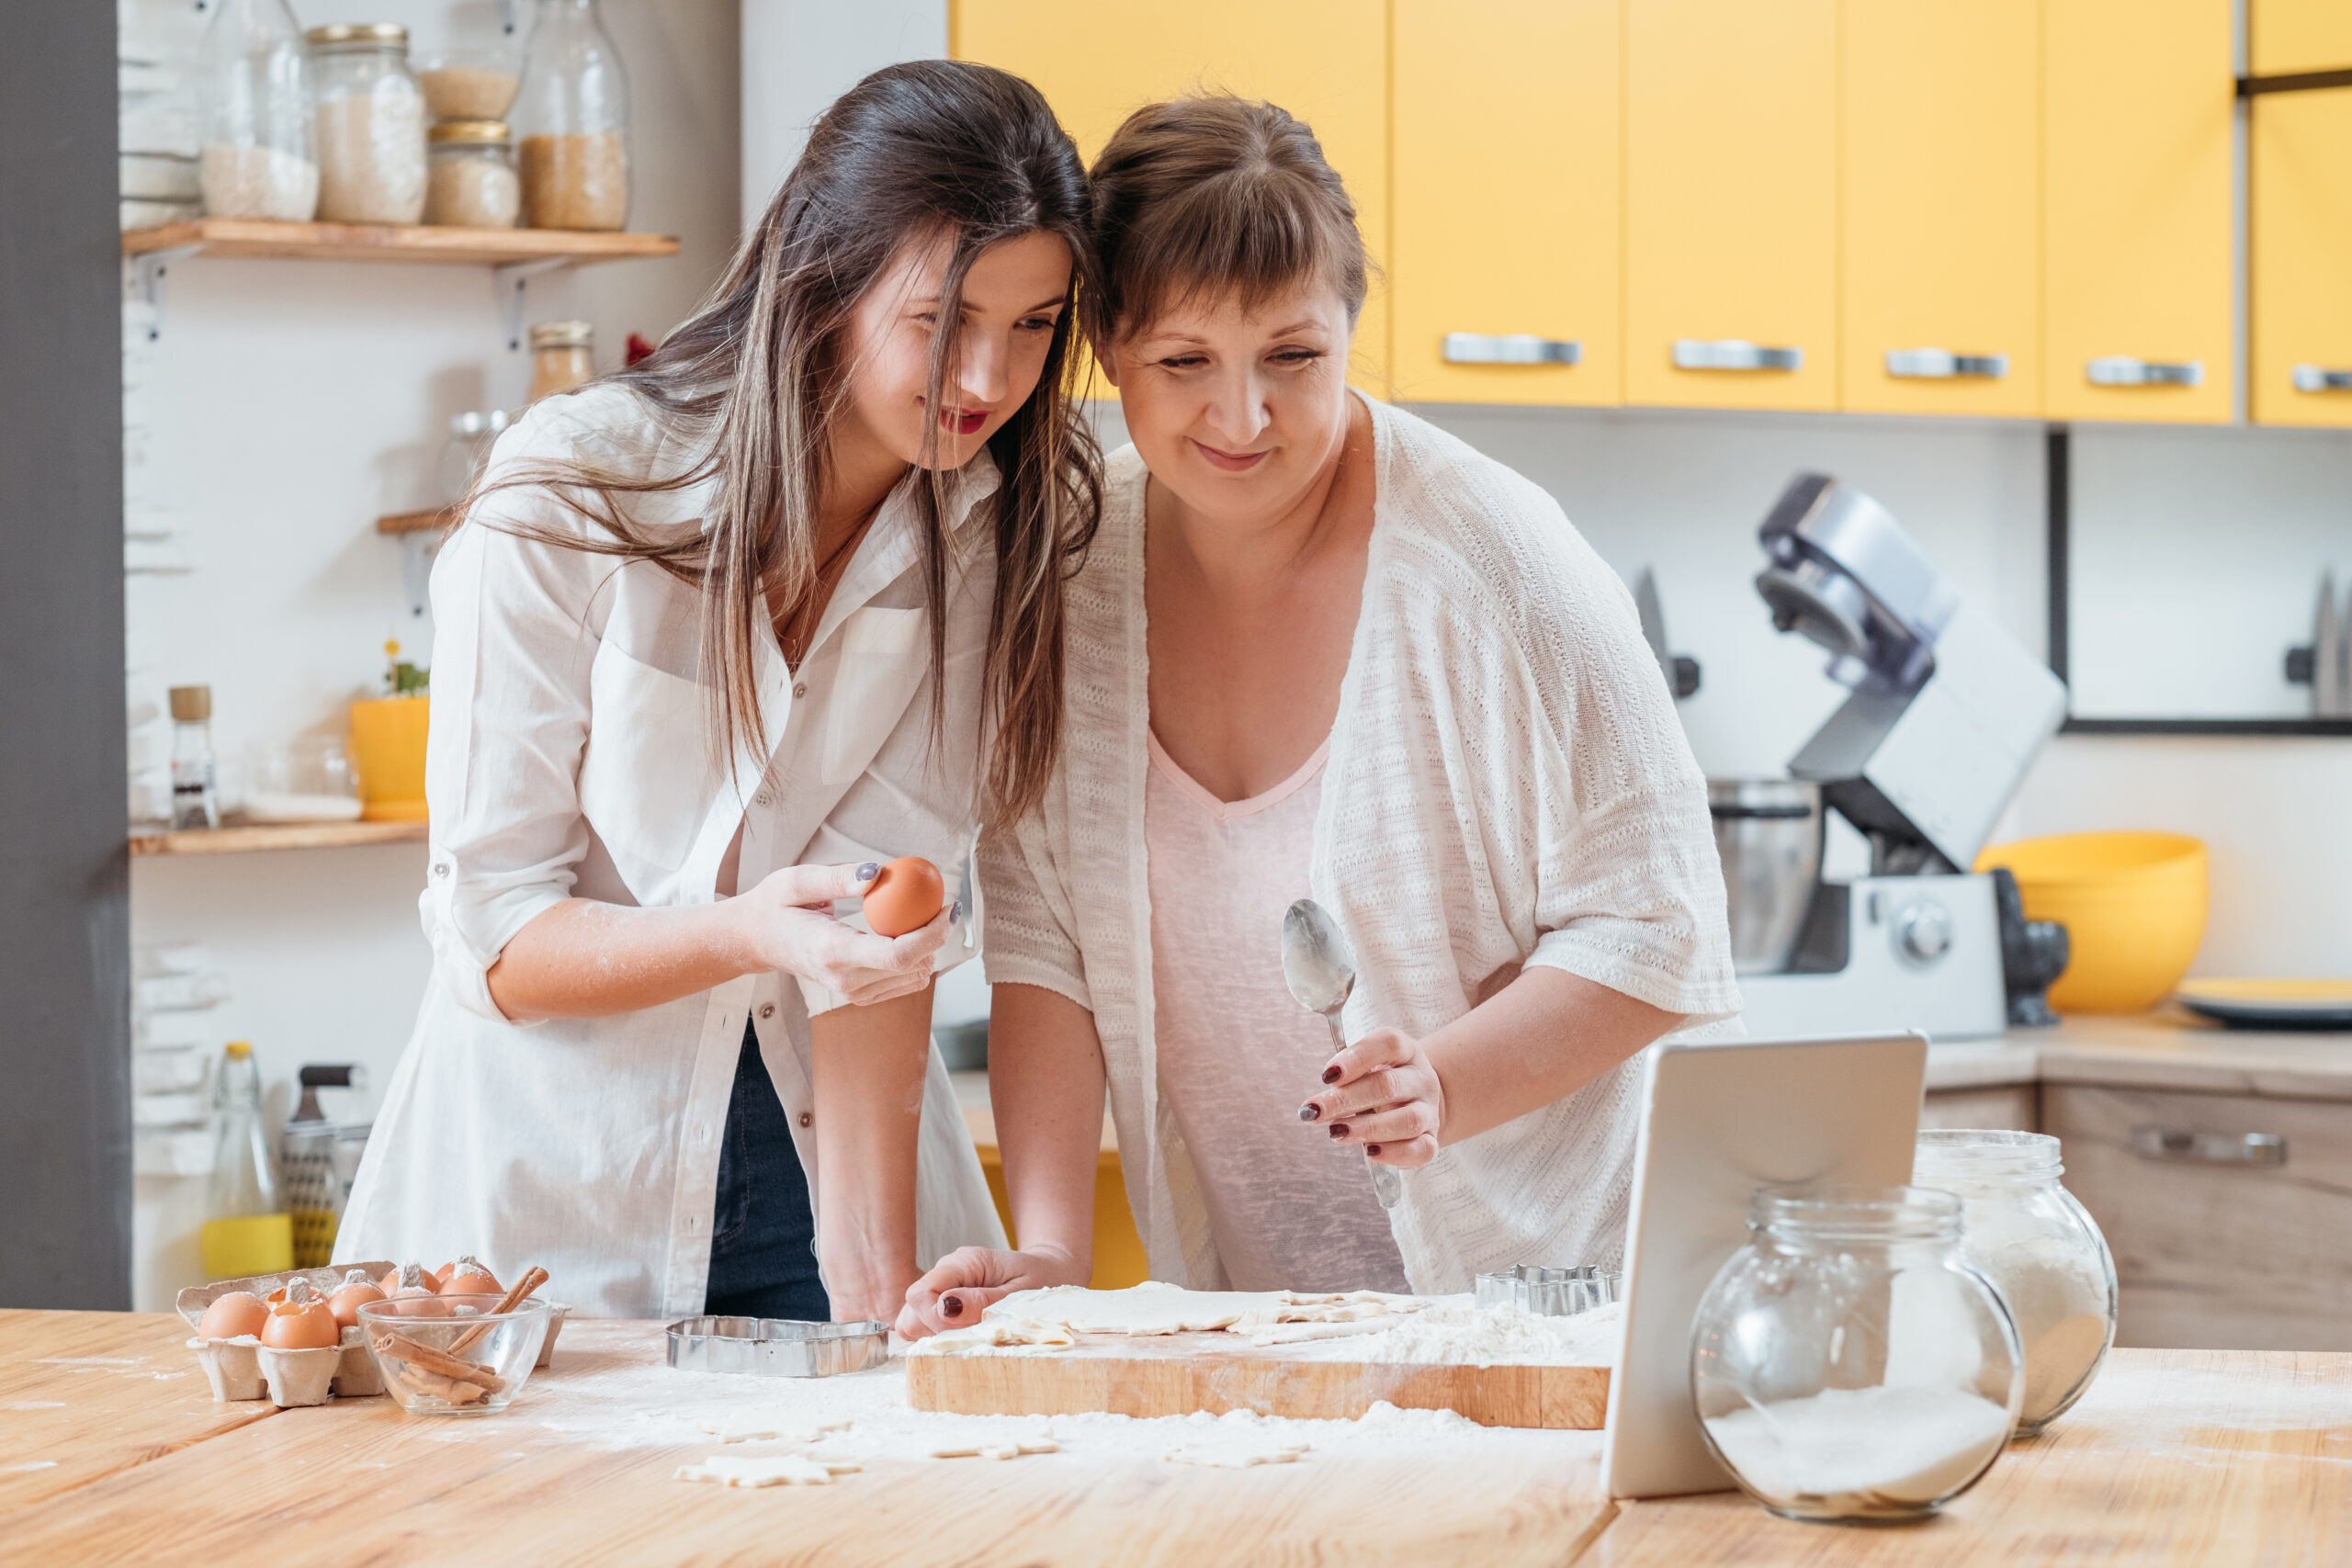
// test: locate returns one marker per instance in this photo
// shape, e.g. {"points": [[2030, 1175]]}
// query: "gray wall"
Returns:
{"points": [[64, 1052]]}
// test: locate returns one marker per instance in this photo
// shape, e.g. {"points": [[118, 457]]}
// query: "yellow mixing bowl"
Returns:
{"points": [[2133, 906]]}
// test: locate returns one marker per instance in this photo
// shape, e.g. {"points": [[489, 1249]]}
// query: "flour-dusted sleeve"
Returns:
{"points": [[1032, 923], [511, 652], [1629, 892]]}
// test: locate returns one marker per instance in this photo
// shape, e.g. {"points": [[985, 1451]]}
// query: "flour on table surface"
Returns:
{"points": [[753, 1431], [1153, 1308], [1454, 1331], [778, 1469]]}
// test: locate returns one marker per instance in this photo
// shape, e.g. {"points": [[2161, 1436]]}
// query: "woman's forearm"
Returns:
{"points": [[586, 959], [1045, 1087], [1541, 1038], [869, 1064]]}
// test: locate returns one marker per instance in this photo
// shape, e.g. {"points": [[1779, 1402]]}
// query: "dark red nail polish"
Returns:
{"points": [[1330, 1074], [1339, 1129], [951, 1306], [1372, 1148], [1310, 1112]]}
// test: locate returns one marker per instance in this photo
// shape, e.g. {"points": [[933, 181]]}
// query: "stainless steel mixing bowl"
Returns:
{"points": [[1768, 833]]}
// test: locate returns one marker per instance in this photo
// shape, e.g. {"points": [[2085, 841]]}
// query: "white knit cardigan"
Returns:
{"points": [[1507, 784]]}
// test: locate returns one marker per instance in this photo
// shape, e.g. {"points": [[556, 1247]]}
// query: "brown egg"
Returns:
{"points": [[356, 1292], [303, 1321], [467, 1277], [907, 896], [239, 1311]]}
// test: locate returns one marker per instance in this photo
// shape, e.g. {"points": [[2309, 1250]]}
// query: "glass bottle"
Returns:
{"points": [[2041, 1250], [259, 155], [467, 452], [572, 115], [1848, 1363], [248, 1231], [195, 798], [371, 124], [562, 356]]}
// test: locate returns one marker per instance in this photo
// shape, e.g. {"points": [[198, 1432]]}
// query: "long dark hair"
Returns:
{"points": [[754, 384]]}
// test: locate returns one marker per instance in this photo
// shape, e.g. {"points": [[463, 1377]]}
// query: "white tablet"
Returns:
{"points": [[1718, 1122]]}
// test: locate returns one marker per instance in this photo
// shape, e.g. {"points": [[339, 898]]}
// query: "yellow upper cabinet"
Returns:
{"points": [[1325, 61], [2300, 206], [1941, 211], [2136, 210], [1731, 203], [1505, 249]]}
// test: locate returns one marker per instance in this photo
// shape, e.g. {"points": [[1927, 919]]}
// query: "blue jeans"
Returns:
{"points": [[763, 1233]]}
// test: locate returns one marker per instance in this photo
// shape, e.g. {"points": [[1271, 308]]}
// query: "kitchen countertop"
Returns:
{"points": [[2173, 1457], [2168, 1049]]}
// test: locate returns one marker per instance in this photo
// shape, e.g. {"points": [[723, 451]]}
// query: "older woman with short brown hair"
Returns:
{"points": [[1320, 647]]}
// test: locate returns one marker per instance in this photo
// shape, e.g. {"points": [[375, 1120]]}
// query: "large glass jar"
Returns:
{"points": [[469, 176], [563, 358], [572, 117], [2041, 1250], [371, 125], [1849, 1363], [259, 155]]}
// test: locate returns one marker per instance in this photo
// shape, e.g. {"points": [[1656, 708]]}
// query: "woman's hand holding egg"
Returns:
{"points": [[787, 922], [1382, 1092]]}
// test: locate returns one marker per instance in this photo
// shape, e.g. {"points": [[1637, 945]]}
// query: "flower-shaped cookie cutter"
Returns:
{"points": [[1550, 1293]]}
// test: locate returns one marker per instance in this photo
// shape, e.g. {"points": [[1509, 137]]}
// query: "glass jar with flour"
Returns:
{"points": [[371, 124], [2041, 1250], [1848, 1362]]}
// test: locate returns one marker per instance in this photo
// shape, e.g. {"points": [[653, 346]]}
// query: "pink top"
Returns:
{"points": [[1287, 1208]]}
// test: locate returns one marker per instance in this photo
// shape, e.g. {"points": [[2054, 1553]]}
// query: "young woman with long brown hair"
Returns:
{"points": [[720, 634]]}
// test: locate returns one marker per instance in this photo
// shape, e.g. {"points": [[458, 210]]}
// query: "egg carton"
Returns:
{"points": [[191, 1301], [244, 1367]]}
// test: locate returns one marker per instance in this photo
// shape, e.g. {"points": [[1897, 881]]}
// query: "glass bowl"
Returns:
{"points": [[421, 1344]]}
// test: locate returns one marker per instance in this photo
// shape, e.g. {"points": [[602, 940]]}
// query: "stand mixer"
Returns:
{"points": [[1947, 713]]}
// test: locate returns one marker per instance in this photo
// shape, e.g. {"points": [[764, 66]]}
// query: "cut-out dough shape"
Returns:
{"points": [[753, 1431], [781, 1469], [997, 1449], [1237, 1455]]}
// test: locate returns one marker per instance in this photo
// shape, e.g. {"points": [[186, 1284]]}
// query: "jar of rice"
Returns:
{"points": [[469, 176], [572, 117], [370, 124]]}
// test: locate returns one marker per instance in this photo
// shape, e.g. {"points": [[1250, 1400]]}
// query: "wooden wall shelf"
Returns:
{"points": [[276, 836], [363, 241], [433, 522]]}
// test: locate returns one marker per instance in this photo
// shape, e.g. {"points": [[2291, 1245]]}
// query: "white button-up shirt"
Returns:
{"points": [[573, 755]]}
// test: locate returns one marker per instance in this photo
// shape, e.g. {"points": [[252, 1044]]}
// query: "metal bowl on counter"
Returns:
{"points": [[1768, 835]]}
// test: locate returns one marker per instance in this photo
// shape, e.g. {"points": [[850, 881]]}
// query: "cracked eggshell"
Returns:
{"points": [[300, 1377], [232, 1366]]}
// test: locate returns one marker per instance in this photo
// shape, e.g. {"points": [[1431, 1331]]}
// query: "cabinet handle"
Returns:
{"points": [[1733, 354], [1508, 348], [2314, 378], [1943, 365], [2209, 1148], [2123, 370]]}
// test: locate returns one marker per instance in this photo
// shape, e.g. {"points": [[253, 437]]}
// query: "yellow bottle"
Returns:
{"points": [[250, 1231]]}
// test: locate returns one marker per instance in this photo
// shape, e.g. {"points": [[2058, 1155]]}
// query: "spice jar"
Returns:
{"points": [[259, 154], [1849, 1363], [469, 176], [572, 115], [371, 124], [560, 357], [2041, 1250]]}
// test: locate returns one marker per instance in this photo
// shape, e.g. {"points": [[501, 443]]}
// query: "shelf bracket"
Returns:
{"points": [[508, 283], [417, 550], [147, 271]]}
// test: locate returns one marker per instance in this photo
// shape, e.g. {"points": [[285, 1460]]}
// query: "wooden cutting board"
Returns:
{"points": [[1175, 1374]]}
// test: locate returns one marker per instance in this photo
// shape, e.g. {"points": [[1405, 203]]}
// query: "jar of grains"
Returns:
{"points": [[258, 157], [562, 356], [572, 116], [1849, 1363], [371, 124], [469, 176]]}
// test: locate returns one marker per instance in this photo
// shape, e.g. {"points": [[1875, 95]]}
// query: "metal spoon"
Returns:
{"points": [[1321, 974]]}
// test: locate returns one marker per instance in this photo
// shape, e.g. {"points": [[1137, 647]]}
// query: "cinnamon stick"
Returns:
{"points": [[531, 1281], [401, 1347], [421, 1381]]}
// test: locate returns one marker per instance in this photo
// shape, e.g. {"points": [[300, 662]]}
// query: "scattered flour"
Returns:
{"points": [[781, 1469], [28, 1465], [1862, 1450], [727, 1431], [1153, 1308], [1455, 1331]]}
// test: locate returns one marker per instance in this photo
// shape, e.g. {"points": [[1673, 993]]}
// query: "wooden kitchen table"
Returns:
{"points": [[2175, 1457]]}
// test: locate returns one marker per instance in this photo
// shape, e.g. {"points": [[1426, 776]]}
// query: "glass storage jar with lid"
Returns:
{"points": [[562, 356], [2041, 1250], [469, 176], [371, 124], [572, 116], [1849, 1363], [258, 157]]}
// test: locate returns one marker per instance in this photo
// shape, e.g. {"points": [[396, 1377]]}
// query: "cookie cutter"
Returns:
{"points": [[1550, 1293], [777, 1347]]}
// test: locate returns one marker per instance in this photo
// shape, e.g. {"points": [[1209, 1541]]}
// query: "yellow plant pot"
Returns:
{"points": [[2133, 906], [387, 748]]}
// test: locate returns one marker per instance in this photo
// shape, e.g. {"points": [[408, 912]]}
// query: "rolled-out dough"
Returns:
{"points": [[778, 1469]]}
